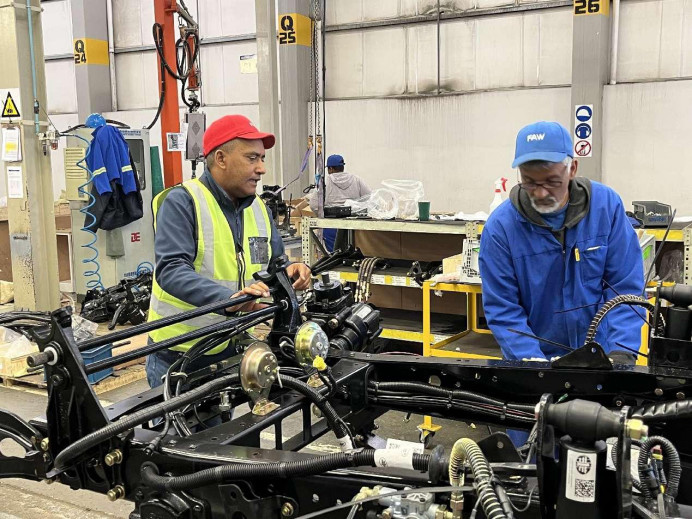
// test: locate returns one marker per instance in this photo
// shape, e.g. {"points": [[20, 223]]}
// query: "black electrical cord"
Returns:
{"points": [[242, 471], [336, 424], [408, 401], [671, 460], [157, 31], [196, 351], [417, 387], [144, 415]]}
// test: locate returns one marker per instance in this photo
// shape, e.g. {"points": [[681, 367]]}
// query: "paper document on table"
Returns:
{"points": [[11, 145]]}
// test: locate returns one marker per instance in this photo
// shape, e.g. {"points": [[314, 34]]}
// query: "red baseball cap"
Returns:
{"points": [[231, 127]]}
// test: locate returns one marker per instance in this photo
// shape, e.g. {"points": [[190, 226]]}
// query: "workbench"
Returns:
{"points": [[407, 322]]}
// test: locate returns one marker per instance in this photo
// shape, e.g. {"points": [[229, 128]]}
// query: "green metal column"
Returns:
{"points": [[31, 217], [590, 68], [90, 47]]}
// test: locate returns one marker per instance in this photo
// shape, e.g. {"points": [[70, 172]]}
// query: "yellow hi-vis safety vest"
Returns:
{"points": [[216, 259]]}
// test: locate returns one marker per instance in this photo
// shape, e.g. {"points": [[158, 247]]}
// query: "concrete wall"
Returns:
{"points": [[497, 72]]}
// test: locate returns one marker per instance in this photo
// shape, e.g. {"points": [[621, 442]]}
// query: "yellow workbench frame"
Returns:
{"points": [[434, 349]]}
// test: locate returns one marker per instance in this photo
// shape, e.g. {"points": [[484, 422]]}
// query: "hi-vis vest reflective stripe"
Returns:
{"points": [[216, 259]]}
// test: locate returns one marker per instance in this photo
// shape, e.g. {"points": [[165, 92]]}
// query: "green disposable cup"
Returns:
{"points": [[424, 211]]}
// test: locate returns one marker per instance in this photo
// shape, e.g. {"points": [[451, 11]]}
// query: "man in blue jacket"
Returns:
{"points": [[554, 252]]}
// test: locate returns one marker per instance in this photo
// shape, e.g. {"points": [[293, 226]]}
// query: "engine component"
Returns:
{"points": [[273, 197], [361, 327], [126, 301], [329, 297], [311, 342], [258, 371], [131, 451], [416, 505], [679, 295]]}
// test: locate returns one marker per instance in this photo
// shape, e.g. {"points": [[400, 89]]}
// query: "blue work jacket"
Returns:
{"points": [[533, 284]]}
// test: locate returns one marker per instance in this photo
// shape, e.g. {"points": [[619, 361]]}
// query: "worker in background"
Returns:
{"points": [[340, 186], [553, 253], [212, 235]]}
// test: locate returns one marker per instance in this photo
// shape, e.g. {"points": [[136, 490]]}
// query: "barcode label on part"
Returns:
{"points": [[585, 488], [581, 476], [377, 279]]}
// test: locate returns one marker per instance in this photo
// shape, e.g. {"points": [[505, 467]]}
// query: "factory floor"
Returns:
{"points": [[21, 499]]}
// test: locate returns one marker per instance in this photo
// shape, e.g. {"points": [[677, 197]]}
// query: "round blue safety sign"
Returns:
{"points": [[584, 113], [583, 131]]}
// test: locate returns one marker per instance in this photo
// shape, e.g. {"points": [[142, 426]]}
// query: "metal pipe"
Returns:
{"points": [[614, 43], [30, 23], [450, 15], [174, 341], [111, 54], [166, 321], [323, 55], [438, 47]]}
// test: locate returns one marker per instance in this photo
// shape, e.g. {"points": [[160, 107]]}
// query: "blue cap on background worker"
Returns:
{"points": [[335, 161], [543, 140]]}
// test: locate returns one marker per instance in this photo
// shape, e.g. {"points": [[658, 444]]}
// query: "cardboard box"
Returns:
{"points": [[452, 264]]}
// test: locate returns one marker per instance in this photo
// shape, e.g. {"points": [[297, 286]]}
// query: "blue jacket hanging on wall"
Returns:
{"points": [[115, 185]]}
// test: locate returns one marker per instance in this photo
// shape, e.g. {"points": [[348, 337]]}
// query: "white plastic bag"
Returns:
{"points": [[83, 329], [359, 205], [383, 204], [13, 344], [409, 193]]}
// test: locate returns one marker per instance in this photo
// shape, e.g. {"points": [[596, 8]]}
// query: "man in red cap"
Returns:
{"points": [[212, 235]]}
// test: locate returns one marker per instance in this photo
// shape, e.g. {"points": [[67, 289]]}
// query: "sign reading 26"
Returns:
{"points": [[590, 7]]}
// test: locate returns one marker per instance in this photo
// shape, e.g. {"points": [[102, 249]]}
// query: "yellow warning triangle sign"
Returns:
{"points": [[9, 109]]}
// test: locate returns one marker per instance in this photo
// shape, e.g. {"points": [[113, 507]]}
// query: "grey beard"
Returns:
{"points": [[545, 209]]}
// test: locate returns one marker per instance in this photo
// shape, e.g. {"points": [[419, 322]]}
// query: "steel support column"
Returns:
{"points": [[31, 217], [92, 72], [294, 64], [590, 69], [268, 85]]}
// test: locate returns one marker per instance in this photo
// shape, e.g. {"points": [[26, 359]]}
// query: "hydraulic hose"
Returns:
{"points": [[467, 450], [671, 460], [409, 401], [610, 305], [138, 418], [416, 387], [241, 471], [664, 411], [335, 422]]}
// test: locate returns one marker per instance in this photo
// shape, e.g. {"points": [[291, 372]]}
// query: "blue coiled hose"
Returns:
{"points": [[94, 272]]}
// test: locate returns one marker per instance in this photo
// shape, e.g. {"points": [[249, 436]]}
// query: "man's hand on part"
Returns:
{"points": [[256, 289], [300, 272]]}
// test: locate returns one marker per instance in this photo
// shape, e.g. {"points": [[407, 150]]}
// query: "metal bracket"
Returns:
{"points": [[589, 356], [33, 464]]}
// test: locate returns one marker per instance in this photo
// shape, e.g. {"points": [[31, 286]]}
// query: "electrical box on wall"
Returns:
{"points": [[74, 175]]}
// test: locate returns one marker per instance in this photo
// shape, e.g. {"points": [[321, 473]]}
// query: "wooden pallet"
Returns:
{"points": [[119, 378]]}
